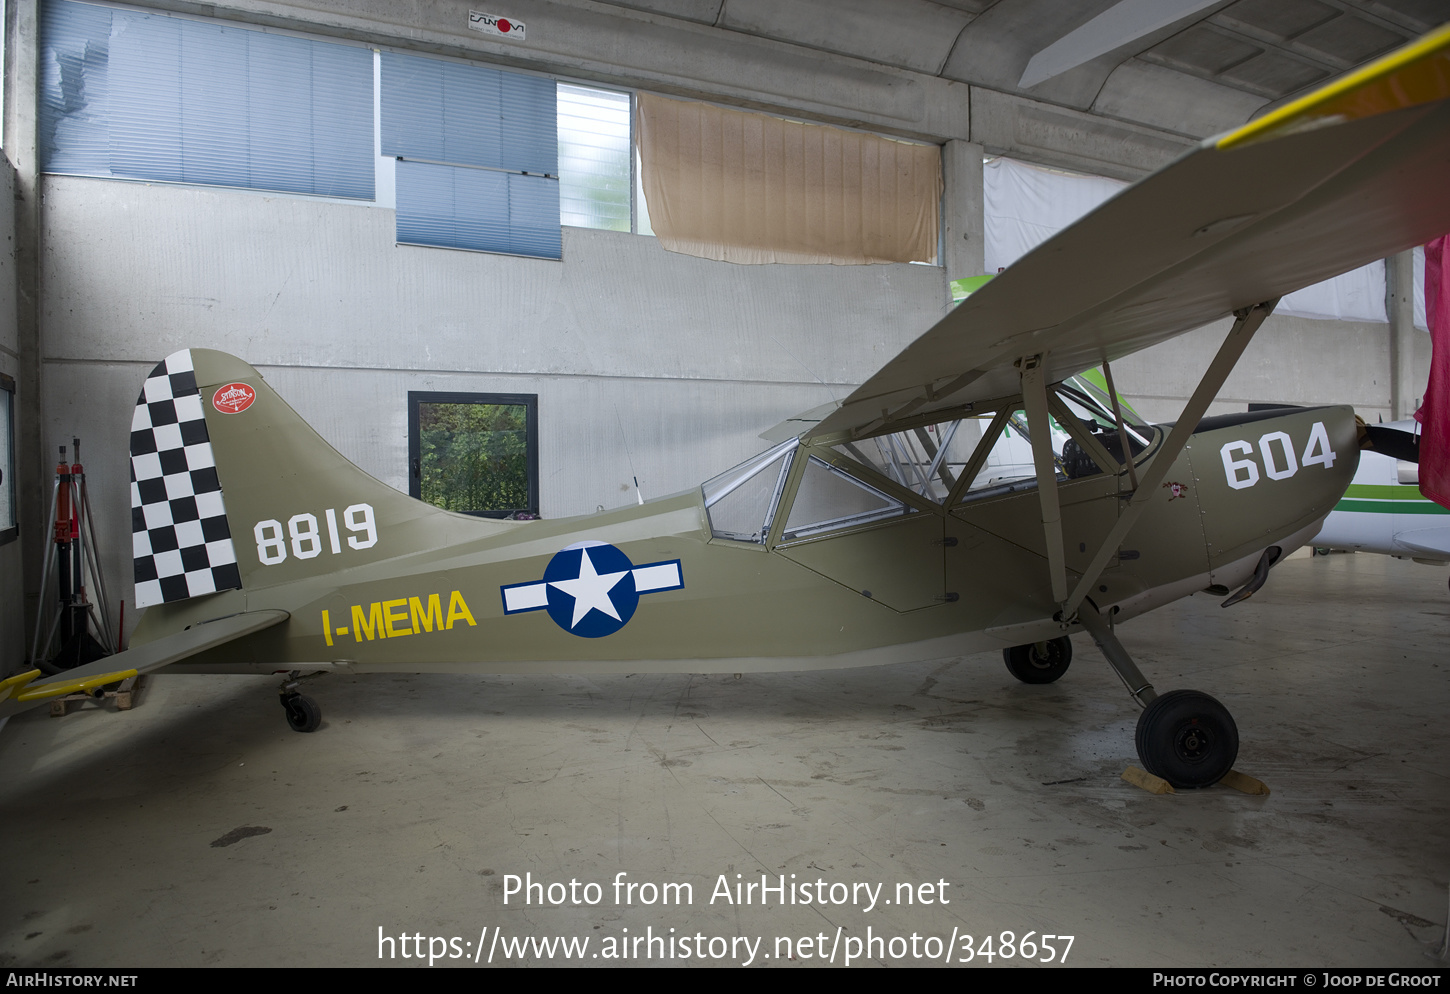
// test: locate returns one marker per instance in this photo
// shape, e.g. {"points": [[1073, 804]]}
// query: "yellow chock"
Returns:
{"points": [[1244, 783], [1147, 781]]}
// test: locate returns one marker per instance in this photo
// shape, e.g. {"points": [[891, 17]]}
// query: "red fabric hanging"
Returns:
{"points": [[1434, 413]]}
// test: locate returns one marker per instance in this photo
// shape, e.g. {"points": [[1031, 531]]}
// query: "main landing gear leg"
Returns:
{"points": [[303, 714], [1183, 736]]}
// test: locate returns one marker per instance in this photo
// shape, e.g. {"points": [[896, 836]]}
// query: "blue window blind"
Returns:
{"points": [[147, 96], [479, 156]]}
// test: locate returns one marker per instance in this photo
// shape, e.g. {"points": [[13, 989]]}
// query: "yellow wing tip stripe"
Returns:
{"points": [[62, 688], [1417, 74], [11, 686]]}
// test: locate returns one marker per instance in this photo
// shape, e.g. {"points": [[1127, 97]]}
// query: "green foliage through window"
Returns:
{"points": [[473, 457]]}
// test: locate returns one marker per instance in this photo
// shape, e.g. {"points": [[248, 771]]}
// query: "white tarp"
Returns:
{"points": [[1024, 204], [1419, 295]]}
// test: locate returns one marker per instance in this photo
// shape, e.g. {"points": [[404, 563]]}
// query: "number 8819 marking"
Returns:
{"points": [[306, 540], [1278, 465]]}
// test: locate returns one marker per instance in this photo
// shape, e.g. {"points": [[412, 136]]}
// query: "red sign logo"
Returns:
{"points": [[234, 398]]}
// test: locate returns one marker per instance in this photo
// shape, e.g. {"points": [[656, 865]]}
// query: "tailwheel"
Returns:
{"points": [[303, 714], [1187, 738], [1039, 662]]}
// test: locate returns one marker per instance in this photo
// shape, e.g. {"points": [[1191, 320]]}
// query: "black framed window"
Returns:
{"points": [[476, 453], [9, 527]]}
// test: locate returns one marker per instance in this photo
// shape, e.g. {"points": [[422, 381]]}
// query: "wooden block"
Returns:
{"points": [[1245, 783], [62, 706], [125, 695], [1147, 781]]}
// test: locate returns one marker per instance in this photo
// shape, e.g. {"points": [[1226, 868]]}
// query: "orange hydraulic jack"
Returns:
{"points": [[69, 641]]}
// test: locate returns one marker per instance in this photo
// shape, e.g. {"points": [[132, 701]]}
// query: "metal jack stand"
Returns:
{"points": [[68, 640]]}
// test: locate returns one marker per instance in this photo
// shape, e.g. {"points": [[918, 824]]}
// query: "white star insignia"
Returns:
{"points": [[590, 590]]}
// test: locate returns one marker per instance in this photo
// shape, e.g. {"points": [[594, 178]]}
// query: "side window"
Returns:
{"points": [[474, 453], [741, 502], [829, 500], [925, 460], [1008, 466], [9, 529]]}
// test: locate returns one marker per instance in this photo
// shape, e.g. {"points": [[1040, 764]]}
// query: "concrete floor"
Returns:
{"points": [[418, 797]]}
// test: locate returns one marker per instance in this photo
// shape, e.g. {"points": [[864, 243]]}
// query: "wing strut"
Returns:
{"points": [[1122, 431], [1034, 399], [1246, 322]]}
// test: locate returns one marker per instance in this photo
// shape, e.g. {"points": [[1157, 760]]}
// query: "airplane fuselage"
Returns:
{"points": [[656, 587]]}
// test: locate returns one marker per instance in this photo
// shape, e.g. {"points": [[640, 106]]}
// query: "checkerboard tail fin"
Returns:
{"points": [[181, 540], [232, 490]]}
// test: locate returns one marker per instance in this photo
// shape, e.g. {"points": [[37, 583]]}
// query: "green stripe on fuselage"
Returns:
{"points": [[1387, 498], [1396, 506], [1390, 491]]}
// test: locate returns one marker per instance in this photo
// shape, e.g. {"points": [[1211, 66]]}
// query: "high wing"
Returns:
{"points": [[1351, 173], [22, 692]]}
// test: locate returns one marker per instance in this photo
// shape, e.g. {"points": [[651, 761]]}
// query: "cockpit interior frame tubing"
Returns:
{"points": [[1083, 437]]}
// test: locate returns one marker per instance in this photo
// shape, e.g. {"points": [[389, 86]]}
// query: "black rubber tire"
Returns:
{"points": [[303, 714], [1030, 664], [1187, 738]]}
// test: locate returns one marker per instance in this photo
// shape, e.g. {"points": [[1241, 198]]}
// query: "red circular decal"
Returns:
{"points": [[504, 25], [234, 398]]}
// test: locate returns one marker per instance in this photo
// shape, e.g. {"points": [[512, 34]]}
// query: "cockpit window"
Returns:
{"points": [[829, 499], [741, 502], [925, 460], [1008, 466]]}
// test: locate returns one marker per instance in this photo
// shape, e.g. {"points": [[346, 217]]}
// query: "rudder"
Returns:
{"points": [[231, 488]]}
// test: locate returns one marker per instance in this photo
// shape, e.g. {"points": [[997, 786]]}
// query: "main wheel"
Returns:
{"points": [[1187, 738], [303, 714], [1039, 662]]}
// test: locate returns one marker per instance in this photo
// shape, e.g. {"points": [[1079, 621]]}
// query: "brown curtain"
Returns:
{"points": [[750, 188]]}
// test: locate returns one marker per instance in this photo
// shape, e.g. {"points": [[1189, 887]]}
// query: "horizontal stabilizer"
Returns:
{"points": [[1427, 543], [23, 692]]}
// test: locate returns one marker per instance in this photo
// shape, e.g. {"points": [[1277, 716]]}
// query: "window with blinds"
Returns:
{"points": [[149, 96], [482, 159], [478, 156]]}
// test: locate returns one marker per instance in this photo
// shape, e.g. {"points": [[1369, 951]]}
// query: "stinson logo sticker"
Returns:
{"points": [[493, 24], [591, 589], [234, 398]]}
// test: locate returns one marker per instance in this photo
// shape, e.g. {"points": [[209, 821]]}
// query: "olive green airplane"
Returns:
{"points": [[964, 498]]}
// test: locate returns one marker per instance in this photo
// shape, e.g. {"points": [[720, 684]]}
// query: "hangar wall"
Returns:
{"points": [[12, 587], [1292, 360]]}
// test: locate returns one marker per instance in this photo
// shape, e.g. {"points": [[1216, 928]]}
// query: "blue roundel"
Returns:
{"points": [[591, 591]]}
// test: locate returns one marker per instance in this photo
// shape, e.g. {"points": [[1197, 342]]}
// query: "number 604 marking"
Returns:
{"points": [[1277, 451], [307, 540]]}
